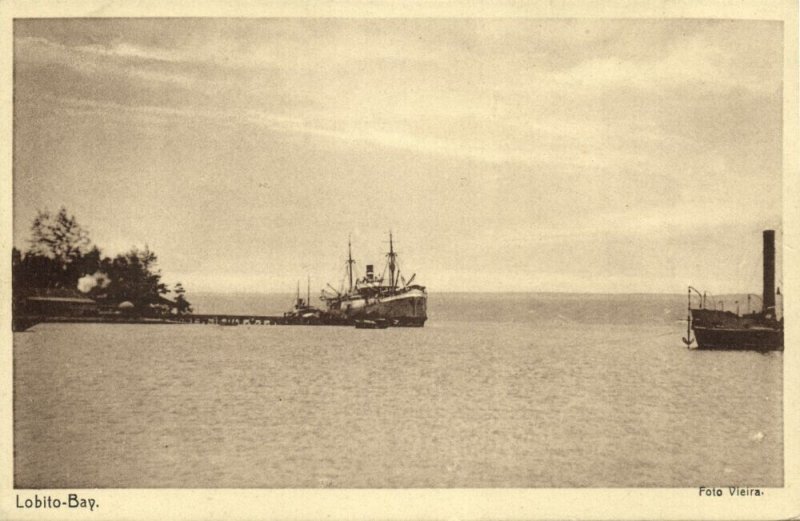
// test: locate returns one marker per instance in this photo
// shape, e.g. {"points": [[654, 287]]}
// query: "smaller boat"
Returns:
{"points": [[720, 329], [303, 312], [369, 323]]}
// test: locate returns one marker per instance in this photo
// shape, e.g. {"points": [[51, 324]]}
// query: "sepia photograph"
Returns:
{"points": [[396, 252]]}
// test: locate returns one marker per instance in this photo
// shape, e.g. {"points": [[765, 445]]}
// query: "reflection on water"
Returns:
{"points": [[523, 391]]}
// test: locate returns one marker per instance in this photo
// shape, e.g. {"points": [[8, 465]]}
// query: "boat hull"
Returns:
{"points": [[714, 329], [372, 324], [754, 339], [403, 309]]}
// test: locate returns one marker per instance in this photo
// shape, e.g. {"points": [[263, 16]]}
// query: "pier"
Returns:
{"points": [[21, 323], [264, 320]]}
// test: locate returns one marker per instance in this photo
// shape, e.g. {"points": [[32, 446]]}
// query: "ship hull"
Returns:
{"points": [[403, 309], [715, 329], [739, 339]]}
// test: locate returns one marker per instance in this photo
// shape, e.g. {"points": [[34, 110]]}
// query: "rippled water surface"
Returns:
{"points": [[495, 391]]}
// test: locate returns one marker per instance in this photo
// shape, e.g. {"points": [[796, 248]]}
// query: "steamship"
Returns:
{"points": [[720, 329], [303, 313], [385, 299]]}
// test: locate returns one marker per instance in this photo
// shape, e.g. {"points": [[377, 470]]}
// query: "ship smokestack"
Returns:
{"points": [[769, 271], [370, 272]]}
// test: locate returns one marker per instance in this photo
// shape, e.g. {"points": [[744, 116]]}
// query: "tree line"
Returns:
{"points": [[61, 256]]}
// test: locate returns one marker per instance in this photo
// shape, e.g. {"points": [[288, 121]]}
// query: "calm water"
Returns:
{"points": [[496, 391]]}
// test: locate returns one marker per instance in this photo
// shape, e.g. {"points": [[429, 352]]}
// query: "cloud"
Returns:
{"points": [[126, 50], [696, 63], [466, 74], [545, 132]]}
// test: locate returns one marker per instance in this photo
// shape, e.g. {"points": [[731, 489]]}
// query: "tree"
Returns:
{"points": [[60, 253], [182, 305], [133, 277], [59, 237], [62, 257]]}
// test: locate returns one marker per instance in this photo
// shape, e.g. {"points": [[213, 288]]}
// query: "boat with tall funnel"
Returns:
{"points": [[388, 298], [303, 313], [719, 329]]}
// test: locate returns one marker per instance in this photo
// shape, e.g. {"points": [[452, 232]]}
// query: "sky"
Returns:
{"points": [[503, 154]]}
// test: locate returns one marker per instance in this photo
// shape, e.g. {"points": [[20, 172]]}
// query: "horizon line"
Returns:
{"points": [[540, 292]]}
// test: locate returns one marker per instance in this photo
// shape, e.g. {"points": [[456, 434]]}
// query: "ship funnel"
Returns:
{"points": [[769, 271], [370, 272]]}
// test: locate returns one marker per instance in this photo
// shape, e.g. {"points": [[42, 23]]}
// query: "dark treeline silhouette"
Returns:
{"points": [[63, 262]]}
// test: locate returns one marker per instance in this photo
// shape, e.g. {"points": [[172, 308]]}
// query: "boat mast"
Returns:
{"points": [[350, 263], [308, 295], [391, 256]]}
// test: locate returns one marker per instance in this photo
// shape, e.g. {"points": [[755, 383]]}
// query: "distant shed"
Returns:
{"points": [[60, 304]]}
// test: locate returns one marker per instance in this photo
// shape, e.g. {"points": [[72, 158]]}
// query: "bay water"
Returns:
{"points": [[497, 390]]}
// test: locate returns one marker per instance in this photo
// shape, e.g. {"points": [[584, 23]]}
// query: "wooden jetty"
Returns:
{"points": [[21, 323], [265, 320]]}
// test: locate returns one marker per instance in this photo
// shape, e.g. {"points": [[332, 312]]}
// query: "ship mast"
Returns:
{"points": [[391, 256], [308, 295], [350, 263]]}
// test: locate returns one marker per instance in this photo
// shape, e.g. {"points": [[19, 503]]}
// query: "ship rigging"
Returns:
{"points": [[399, 302]]}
